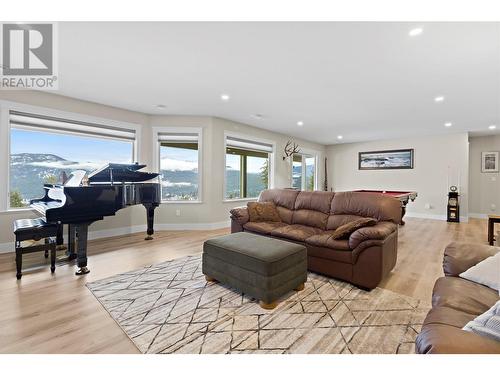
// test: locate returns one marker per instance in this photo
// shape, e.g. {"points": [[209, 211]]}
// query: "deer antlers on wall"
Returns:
{"points": [[290, 149]]}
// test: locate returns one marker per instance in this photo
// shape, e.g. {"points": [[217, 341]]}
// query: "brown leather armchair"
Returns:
{"points": [[364, 259], [455, 302]]}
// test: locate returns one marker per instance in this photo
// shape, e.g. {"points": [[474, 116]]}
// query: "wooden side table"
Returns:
{"points": [[492, 219]]}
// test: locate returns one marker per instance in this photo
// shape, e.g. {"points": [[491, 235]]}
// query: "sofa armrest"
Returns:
{"points": [[379, 231], [460, 256], [239, 217]]}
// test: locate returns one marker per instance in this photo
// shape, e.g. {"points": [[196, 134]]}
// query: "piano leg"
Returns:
{"points": [[150, 213], [81, 235], [71, 242]]}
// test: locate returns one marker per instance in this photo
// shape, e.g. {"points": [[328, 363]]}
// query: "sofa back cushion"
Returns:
{"points": [[377, 206], [312, 208], [335, 221], [314, 200], [310, 218], [284, 199]]}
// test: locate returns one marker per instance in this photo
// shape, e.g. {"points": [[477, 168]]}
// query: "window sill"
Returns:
{"points": [[239, 200], [16, 211]]}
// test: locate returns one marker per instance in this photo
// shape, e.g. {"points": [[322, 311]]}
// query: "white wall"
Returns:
{"points": [[438, 163], [212, 212], [484, 188]]}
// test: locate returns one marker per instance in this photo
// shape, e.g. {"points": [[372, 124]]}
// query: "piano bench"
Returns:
{"points": [[34, 230]]}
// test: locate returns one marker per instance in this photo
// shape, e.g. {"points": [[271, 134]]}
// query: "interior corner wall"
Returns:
{"points": [[439, 161], [214, 209], [484, 188]]}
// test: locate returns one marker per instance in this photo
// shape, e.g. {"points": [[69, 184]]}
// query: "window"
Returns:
{"points": [[304, 172], [179, 165], [44, 149], [247, 167]]}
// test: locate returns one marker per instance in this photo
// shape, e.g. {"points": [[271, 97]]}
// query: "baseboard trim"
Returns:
{"points": [[478, 216], [8, 247], [417, 215]]}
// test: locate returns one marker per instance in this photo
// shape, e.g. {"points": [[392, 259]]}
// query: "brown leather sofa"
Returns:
{"points": [[364, 259], [455, 302]]}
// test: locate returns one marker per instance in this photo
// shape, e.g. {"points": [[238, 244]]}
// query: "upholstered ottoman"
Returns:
{"points": [[262, 267]]}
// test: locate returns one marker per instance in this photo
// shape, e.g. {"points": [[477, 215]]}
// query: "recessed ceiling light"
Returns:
{"points": [[448, 124], [161, 106], [300, 123], [492, 127], [339, 137], [438, 99], [416, 31], [224, 97]]}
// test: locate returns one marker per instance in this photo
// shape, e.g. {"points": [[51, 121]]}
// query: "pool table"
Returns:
{"points": [[403, 196]]}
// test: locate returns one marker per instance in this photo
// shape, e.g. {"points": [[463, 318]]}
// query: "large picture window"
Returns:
{"points": [[304, 172], [179, 166], [247, 168], [43, 150]]}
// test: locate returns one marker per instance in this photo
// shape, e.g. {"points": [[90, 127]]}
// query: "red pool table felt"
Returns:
{"points": [[395, 194]]}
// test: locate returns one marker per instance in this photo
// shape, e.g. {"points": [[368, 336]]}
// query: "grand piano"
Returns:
{"points": [[83, 199]]}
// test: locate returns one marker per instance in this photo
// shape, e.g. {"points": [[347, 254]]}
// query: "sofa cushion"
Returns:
{"points": [[448, 316], [344, 231], [281, 197], [335, 221], [286, 214], [295, 232], [326, 240], [310, 218], [377, 206], [314, 200], [262, 227], [263, 211], [463, 295]]}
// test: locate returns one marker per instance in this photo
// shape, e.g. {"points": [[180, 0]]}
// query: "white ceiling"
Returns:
{"points": [[362, 80]]}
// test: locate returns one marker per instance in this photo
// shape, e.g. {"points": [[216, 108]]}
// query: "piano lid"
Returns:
{"points": [[115, 173]]}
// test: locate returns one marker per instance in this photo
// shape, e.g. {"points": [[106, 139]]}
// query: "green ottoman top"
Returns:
{"points": [[260, 254]]}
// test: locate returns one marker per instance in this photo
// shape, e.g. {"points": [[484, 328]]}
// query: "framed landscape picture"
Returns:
{"points": [[388, 159], [489, 161]]}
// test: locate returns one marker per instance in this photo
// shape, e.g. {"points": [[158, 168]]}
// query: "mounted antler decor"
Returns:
{"points": [[290, 149]]}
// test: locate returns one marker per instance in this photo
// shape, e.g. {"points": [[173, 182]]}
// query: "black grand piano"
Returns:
{"points": [[81, 200]]}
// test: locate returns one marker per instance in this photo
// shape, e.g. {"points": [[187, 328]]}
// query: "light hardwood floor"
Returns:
{"points": [[46, 313]]}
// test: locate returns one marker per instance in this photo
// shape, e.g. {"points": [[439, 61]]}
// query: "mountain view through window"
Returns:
{"points": [[39, 157], [179, 171]]}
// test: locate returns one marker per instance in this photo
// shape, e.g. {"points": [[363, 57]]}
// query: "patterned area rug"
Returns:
{"points": [[170, 308]]}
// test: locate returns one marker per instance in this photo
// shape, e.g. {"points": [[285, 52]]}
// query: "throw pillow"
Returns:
{"points": [[344, 231], [486, 324], [486, 272], [263, 211]]}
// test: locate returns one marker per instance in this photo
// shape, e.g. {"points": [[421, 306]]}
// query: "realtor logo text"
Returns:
{"points": [[28, 56]]}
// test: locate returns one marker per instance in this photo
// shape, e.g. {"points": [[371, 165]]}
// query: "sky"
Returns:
{"points": [[71, 147]]}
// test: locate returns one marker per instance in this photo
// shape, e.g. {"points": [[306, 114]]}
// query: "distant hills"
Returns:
{"points": [[29, 171]]}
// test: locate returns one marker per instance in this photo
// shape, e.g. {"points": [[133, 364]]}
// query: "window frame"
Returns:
{"points": [[272, 162], [156, 157], [305, 153], [5, 139]]}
